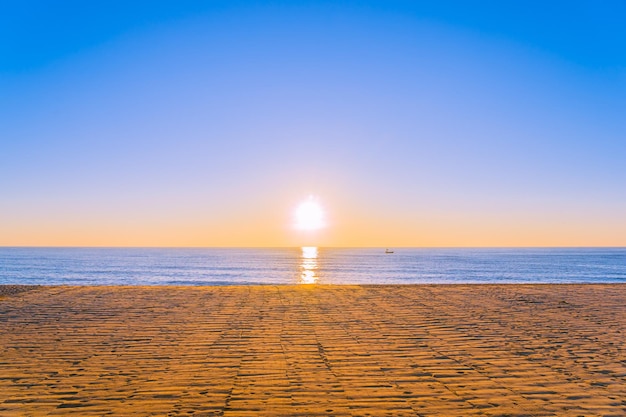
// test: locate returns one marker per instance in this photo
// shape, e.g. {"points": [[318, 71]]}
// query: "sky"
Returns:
{"points": [[412, 123]]}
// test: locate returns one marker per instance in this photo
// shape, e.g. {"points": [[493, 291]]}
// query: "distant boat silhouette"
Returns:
{"points": [[388, 251]]}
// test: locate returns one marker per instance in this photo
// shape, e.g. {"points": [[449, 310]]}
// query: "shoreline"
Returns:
{"points": [[18, 288], [349, 350]]}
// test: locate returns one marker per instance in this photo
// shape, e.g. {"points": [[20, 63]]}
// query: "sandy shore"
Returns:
{"points": [[455, 350]]}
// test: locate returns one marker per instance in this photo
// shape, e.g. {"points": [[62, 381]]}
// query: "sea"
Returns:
{"points": [[309, 266]]}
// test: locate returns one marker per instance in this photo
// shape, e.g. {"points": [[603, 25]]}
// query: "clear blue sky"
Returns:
{"points": [[415, 123]]}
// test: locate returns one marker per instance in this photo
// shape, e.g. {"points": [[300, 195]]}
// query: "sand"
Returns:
{"points": [[457, 350]]}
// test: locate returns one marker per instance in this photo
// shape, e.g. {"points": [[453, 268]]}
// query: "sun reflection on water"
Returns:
{"points": [[308, 265]]}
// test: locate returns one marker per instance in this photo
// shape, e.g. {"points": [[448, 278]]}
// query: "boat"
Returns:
{"points": [[388, 251]]}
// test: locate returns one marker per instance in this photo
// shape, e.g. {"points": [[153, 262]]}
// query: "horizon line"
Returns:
{"points": [[317, 246]]}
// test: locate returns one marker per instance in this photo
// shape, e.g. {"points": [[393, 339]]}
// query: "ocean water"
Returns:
{"points": [[198, 266]]}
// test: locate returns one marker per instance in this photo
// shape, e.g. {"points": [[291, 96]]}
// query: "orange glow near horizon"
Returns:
{"points": [[272, 224]]}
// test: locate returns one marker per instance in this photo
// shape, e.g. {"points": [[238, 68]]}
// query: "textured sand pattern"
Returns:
{"points": [[456, 350], [7, 290]]}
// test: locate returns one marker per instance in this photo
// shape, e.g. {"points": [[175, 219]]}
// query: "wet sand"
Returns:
{"points": [[456, 350]]}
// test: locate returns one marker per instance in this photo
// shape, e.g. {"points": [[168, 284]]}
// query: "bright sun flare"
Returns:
{"points": [[309, 215]]}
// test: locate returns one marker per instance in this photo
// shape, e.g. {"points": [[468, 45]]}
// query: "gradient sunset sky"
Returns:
{"points": [[206, 123]]}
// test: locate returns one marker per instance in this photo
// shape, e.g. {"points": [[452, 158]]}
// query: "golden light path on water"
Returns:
{"points": [[308, 265]]}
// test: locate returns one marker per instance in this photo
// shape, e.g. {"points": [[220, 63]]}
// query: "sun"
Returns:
{"points": [[309, 215]]}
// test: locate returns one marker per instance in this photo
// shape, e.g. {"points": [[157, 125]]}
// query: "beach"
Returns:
{"points": [[298, 350]]}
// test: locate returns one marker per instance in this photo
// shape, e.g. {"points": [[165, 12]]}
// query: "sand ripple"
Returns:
{"points": [[487, 350]]}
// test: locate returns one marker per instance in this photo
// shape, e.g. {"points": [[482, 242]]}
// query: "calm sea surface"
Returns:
{"points": [[137, 266]]}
